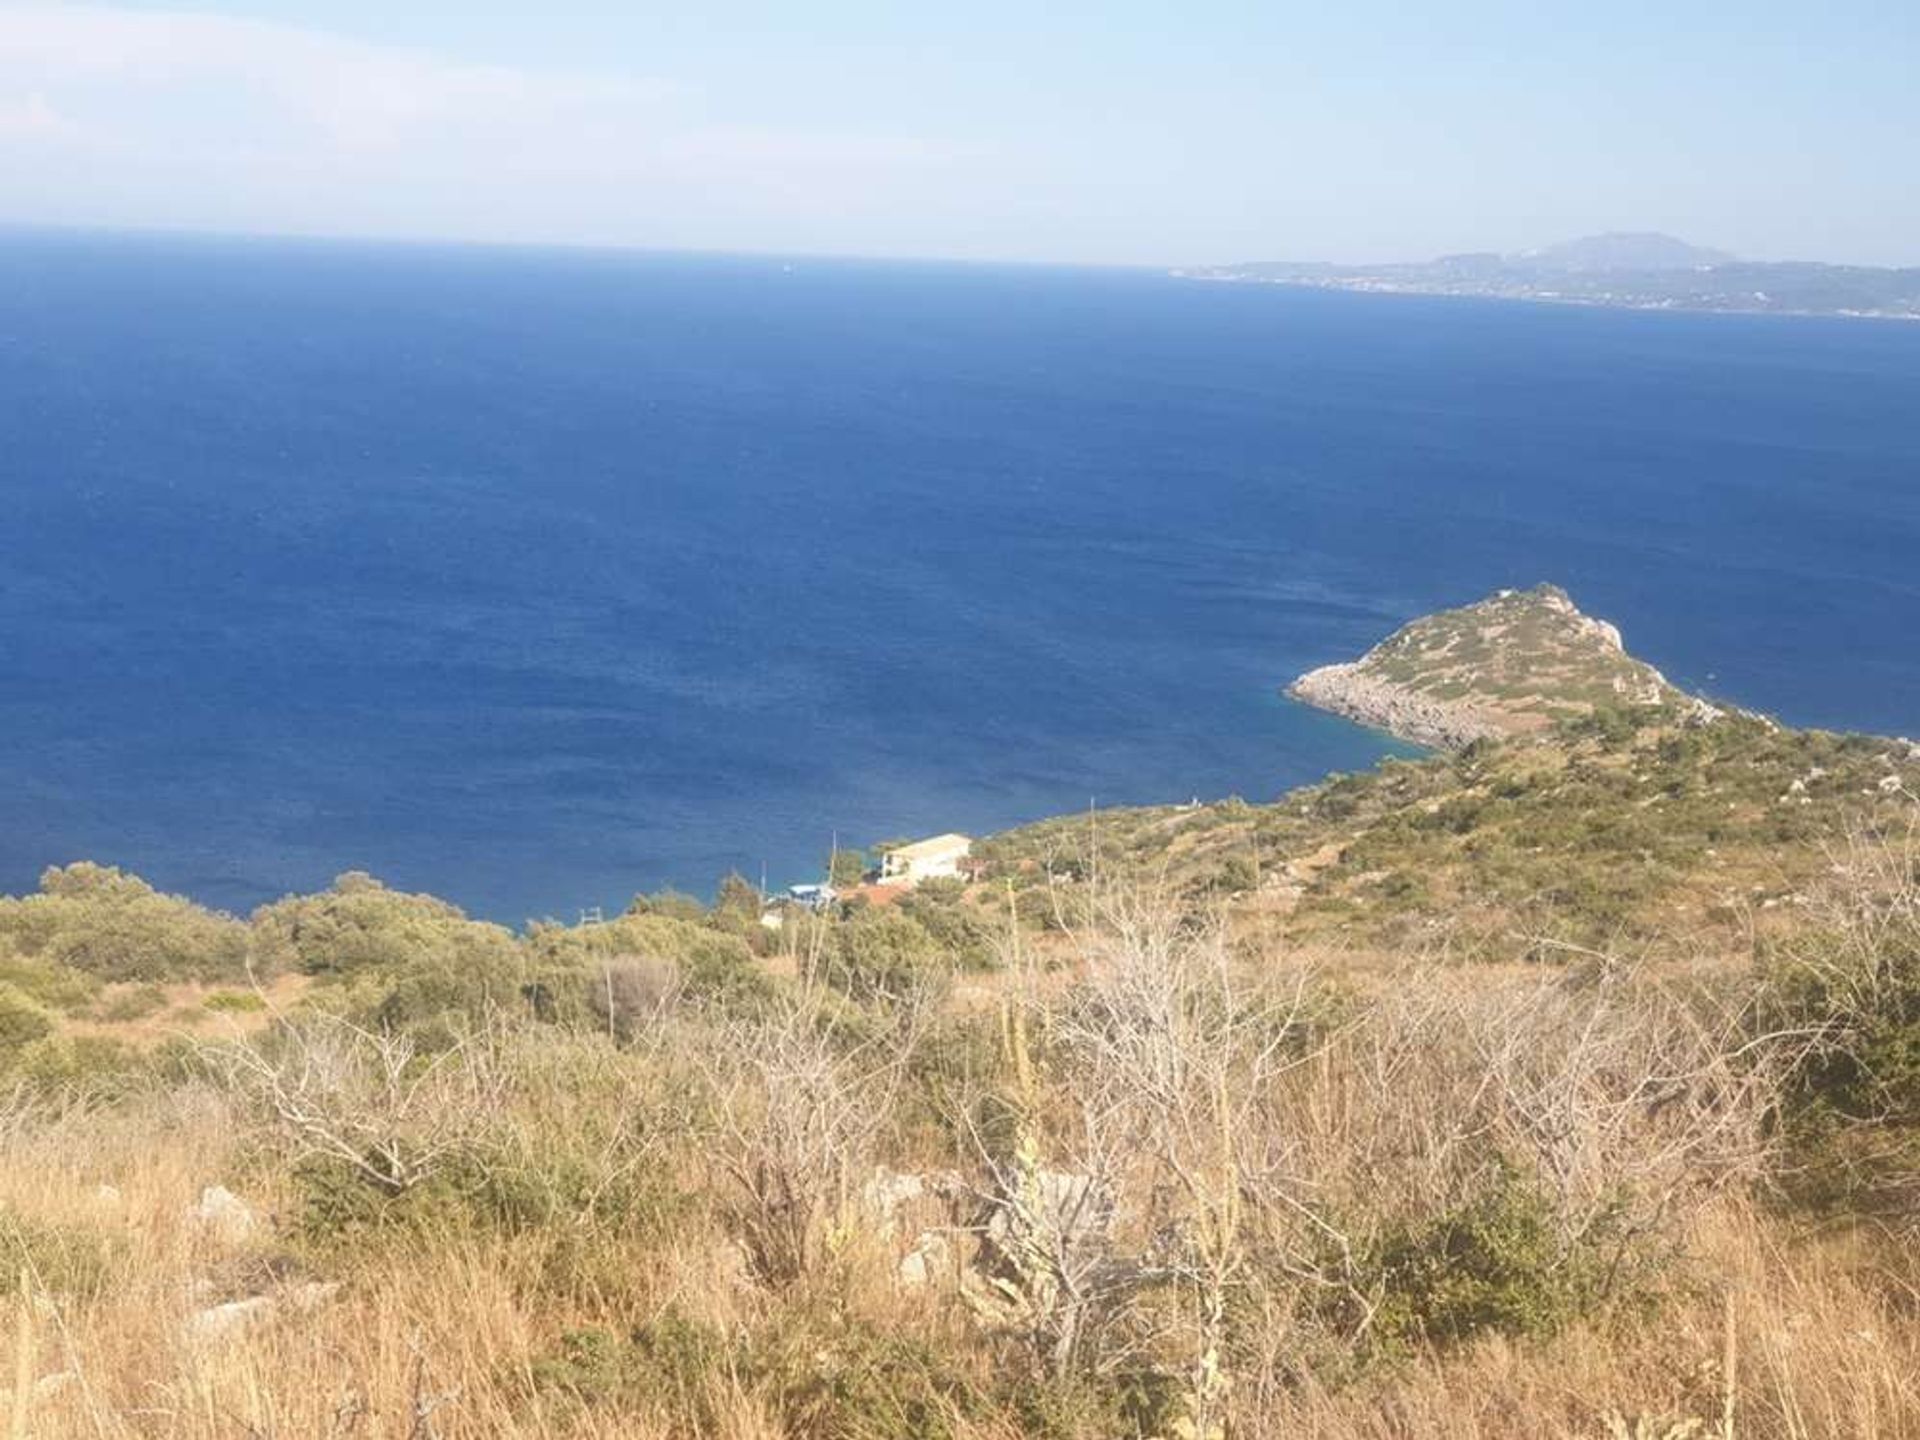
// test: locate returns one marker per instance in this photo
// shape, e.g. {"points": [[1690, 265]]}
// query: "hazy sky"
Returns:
{"points": [[1208, 130]]}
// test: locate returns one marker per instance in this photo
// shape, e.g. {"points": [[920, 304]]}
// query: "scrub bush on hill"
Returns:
{"points": [[34, 1054], [569, 962], [966, 934], [129, 1003], [53, 986], [1850, 983], [737, 907], [800, 1110], [520, 1132], [669, 905], [375, 1107], [882, 952], [1497, 1262], [359, 924], [847, 868], [630, 992], [21, 1023], [73, 1262], [234, 1002], [99, 921], [393, 959], [93, 1066]]}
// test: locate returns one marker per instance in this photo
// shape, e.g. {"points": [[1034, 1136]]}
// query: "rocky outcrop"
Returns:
{"points": [[1346, 689], [1518, 662]]}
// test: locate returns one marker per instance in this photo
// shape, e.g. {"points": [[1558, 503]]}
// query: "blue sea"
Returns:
{"points": [[535, 579]]}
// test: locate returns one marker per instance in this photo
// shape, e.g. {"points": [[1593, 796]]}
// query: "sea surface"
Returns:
{"points": [[536, 579]]}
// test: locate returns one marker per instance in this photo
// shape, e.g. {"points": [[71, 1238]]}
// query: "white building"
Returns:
{"points": [[934, 859]]}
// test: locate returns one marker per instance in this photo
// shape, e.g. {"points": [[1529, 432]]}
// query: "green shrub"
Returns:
{"points": [[394, 960], [966, 935], [1498, 1262], [69, 1261], [1237, 875], [668, 1365], [21, 1023], [630, 992], [847, 868], [579, 1205], [1402, 888], [360, 925], [1852, 1112], [114, 926], [93, 1064], [851, 1380], [1612, 725], [826, 1378], [569, 962], [669, 905], [445, 995], [54, 986], [882, 952], [737, 907]]}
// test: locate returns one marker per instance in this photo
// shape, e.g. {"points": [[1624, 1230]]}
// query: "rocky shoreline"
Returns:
{"points": [[1346, 689]]}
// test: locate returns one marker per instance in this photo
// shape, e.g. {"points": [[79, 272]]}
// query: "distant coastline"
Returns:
{"points": [[1622, 272]]}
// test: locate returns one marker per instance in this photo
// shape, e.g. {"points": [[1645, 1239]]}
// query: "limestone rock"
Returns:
{"points": [[224, 1218], [237, 1318]]}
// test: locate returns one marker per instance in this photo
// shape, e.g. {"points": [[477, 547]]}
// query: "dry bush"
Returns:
{"points": [[370, 1101], [629, 993], [1170, 1050], [1484, 1152], [1277, 1177], [798, 1111], [1619, 1086]]}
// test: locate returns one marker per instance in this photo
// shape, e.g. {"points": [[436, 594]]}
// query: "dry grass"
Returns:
{"points": [[669, 1234], [1823, 1345], [441, 1337]]}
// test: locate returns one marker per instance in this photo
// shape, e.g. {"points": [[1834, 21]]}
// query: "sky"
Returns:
{"points": [[1113, 133]]}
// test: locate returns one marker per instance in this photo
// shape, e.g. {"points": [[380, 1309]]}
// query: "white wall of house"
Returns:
{"points": [[935, 859]]}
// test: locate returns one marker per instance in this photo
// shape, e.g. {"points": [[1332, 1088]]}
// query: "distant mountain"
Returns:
{"points": [[1624, 250], [1631, 270]]}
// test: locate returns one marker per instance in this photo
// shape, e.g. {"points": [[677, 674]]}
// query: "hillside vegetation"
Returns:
{"points": [[1563, 1084]]}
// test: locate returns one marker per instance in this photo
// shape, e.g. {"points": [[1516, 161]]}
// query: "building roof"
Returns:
{"points": [[933, 845]]}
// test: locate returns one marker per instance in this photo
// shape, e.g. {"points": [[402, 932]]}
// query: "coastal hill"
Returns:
{"points": [[1516, 663], [1577, 799], [1629, 271]]}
